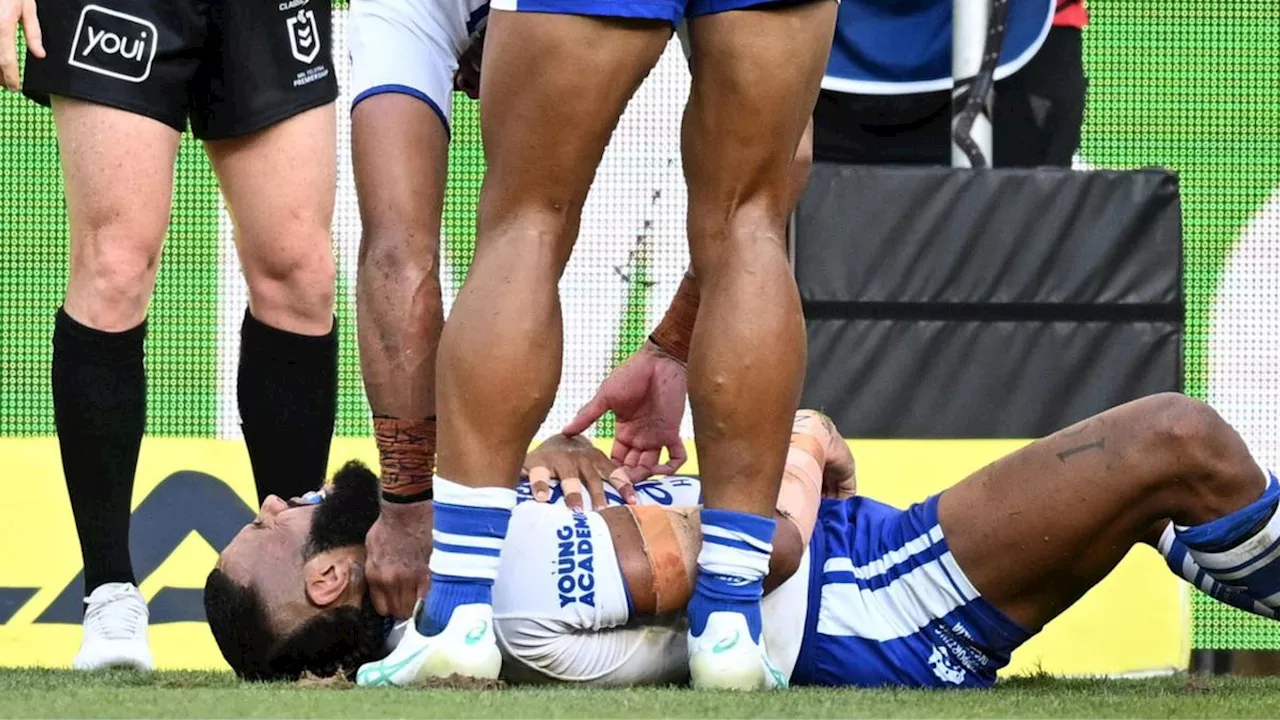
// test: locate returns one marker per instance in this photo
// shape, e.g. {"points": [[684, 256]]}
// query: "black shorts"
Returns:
{"points": [[232, 66]]}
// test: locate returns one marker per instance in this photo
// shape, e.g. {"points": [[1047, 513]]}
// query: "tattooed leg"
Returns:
{"points": [[1037, 529], [406, 455]]}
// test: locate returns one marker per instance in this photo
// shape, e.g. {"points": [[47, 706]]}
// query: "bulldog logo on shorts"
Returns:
{"points": [[304, 36], [115, 44], [945, 667]]}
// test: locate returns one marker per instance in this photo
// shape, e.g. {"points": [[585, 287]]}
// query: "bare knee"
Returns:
{"points": [[291, 279], [1210, 471], [399, 285], [113, 273], [399, 254], [1185, 431]]}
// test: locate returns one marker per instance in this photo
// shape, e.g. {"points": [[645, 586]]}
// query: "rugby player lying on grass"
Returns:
{"points": [[937, 595]]}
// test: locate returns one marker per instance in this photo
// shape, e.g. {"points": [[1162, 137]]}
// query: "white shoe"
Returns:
{"points": [[467, 647], [115, 629], [724, 657]]}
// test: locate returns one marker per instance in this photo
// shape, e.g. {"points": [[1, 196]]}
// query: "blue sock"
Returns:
{"points": [[1178, 558], [469, 529], [731, 568], [1242, 548]]}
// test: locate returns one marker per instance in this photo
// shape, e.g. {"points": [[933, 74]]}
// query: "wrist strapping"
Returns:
{"points": [[675, 332], [406, 453]]}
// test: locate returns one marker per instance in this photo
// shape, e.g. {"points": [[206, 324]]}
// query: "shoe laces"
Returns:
{"points": [[119, 616]]}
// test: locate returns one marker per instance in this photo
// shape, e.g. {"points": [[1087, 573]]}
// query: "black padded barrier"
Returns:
{"points": [[987, 303]]}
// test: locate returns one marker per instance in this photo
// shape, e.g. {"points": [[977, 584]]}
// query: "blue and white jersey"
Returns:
{"points": [[561, 608], [888, 605], [562, 612], [899, 47]]}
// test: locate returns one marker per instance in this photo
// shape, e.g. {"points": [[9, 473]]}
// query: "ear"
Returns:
{"points": [[328, 576]]}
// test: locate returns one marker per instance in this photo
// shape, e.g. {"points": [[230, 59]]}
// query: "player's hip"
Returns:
{"points": [[889, 605]]}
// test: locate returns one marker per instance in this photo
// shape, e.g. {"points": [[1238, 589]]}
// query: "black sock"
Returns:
{"points": [[100, 410], [288, 394]]}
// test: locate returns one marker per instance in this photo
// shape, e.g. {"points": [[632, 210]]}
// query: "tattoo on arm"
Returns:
{"points": [[1099, 444]]}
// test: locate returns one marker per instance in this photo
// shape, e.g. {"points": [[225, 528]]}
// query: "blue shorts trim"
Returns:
{"points": [[413, 92]]}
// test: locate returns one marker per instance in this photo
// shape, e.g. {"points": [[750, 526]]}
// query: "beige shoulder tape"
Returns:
{"points": [[664, 551]]}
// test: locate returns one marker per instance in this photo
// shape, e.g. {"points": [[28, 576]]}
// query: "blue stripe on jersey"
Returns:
{"points": [[395, 89]]}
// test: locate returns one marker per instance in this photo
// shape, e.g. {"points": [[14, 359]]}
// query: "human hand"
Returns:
{"points": [[398, 547], [12, 14], [647, 395], [839, 472], [577, 465]]}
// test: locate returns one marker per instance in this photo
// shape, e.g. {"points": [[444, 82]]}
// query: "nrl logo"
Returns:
{"points": [[304, 36]]}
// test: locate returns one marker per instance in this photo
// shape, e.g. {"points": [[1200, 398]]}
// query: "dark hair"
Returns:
{"points": [[346, 515], [339, 640]]}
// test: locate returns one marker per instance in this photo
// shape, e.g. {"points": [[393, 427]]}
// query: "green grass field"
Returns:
{"points": [[63, 694]]}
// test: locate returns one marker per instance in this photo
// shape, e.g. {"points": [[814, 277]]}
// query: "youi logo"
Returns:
{"points": [[118, 45]]}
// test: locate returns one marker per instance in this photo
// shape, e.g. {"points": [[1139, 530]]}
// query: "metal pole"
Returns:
{"points": [[970, 23]]}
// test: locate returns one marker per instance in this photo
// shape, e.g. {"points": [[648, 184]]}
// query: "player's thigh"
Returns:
{"points": [[404, 54], [118, 173], [756, 80], [279, 184], [399, 152], [1036, 529], [552, 90]]}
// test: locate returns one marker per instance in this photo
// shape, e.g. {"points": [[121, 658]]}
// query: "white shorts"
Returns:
{"points": [[410, 47]]}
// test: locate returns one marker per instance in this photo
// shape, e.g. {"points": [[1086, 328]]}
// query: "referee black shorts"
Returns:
{"points": [[232, 67]]}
